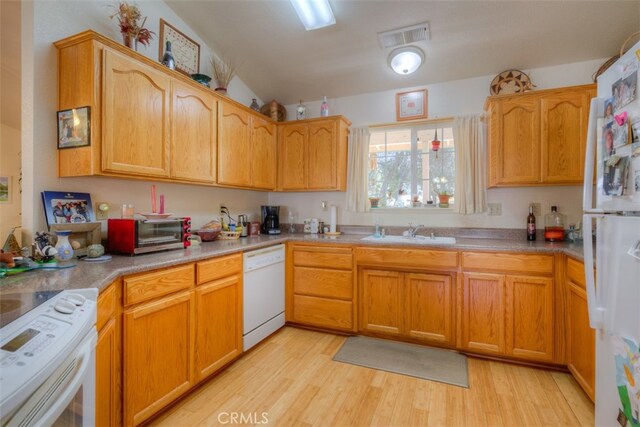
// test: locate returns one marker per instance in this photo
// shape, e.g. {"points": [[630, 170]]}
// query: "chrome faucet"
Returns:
{"points": [[411, 232]]}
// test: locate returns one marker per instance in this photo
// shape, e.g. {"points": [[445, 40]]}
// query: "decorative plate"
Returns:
{"points": [[510, 81], [156, 215]]}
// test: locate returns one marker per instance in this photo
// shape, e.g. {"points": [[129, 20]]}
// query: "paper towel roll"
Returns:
{"points": [[334, 219]]}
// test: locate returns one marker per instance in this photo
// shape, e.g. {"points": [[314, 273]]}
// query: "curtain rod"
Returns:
{"points": [[412, 123]]}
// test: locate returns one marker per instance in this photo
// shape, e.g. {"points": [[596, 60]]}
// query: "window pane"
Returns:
{"points": [[390, 166]]}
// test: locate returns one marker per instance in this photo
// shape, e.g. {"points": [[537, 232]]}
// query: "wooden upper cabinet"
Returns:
{"points": [[321, 163], [234, 148], [538, 138], [136, 109], [263, 154], [565, 118], [515, 154], [313, 154], [193, 134], [292, 140]]}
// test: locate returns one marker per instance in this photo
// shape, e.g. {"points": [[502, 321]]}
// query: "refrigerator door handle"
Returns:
{"points": [[590, 155], [596, 311]]}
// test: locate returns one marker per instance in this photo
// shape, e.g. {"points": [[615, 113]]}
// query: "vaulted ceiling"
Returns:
{"points": [[278, 59]]}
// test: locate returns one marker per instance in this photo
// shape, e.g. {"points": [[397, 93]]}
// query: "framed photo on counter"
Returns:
{"points": [[411, 105], [67, 208]]}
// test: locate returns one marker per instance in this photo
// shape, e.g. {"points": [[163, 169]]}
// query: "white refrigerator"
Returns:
{"points": [[612, 206]]}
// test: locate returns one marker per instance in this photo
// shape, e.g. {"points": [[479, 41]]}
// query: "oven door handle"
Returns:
{"points": [[50, 400]]}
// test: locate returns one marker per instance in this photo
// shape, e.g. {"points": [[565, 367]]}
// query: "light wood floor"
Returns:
{"points": [[292, 379]]}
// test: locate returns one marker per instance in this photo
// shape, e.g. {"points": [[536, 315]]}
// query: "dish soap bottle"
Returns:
{"points": [[554, 226], [531, 225], [324, 108]]}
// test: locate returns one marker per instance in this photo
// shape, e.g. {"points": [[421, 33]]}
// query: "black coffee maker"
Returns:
{"points": [[270, 220]]}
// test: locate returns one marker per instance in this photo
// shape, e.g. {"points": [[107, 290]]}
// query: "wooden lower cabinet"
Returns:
{"points": [[158, 354], [218, 324], [529, 317], [581, 344], [483, 311], [320, 289], [381, 305], [509, 315], [108, 357], [415, 305]]}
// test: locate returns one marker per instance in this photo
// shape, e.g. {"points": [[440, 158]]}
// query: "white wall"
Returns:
{"points": [[49, 21], [445, 99]]}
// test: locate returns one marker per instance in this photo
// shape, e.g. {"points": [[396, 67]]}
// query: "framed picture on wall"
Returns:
{"points": [[5, 189], [186, 52], [74, 127], [411, 105], [67, 208]]}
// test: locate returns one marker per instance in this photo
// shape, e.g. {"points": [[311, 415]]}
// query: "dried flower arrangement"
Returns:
{"points": [[223, 71], [128, 19]]}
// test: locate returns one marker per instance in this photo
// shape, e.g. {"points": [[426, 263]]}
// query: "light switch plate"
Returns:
{"points": [[495, 209]]}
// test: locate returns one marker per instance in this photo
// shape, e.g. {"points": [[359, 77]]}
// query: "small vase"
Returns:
{"points": [[221, 90], [65, 251], [444, 200], [254, 105], [127, 40]]}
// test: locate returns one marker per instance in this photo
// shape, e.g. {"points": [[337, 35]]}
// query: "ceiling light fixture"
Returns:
{"points": [[314, 14], [406, 60]]}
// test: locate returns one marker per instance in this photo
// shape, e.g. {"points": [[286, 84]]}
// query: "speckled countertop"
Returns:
{"points": [[100, 275]]}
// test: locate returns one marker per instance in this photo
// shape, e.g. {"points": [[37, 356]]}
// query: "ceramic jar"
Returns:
{"points": [[65, 251]]}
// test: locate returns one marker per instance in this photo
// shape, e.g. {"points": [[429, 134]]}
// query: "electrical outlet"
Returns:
{"points": [[324, 205], [495, 209], [223, 209], [537, 208]]}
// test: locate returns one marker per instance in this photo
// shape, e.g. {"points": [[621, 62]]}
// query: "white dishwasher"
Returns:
{"points": [[263, 294]]}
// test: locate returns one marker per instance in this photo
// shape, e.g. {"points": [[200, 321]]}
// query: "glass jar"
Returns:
{"points": [[554, 226]]}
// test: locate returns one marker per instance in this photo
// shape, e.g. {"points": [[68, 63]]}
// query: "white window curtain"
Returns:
{"points": [[470, 135], [357, 191]]}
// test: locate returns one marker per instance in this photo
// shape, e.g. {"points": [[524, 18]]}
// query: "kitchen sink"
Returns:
{"points": [[418, 240]]}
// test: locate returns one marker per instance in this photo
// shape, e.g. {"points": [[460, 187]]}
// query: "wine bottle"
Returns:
{"points": [[531, 225], [167, 58]]}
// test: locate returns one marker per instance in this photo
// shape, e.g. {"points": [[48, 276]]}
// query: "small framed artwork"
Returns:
{"points": [[5, 189], [186, 52], [74, 127], [411, 105], [67, 208]]}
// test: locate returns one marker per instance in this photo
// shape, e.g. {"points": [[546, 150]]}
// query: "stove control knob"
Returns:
{"points": [[64, 307], [76, 299]]}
